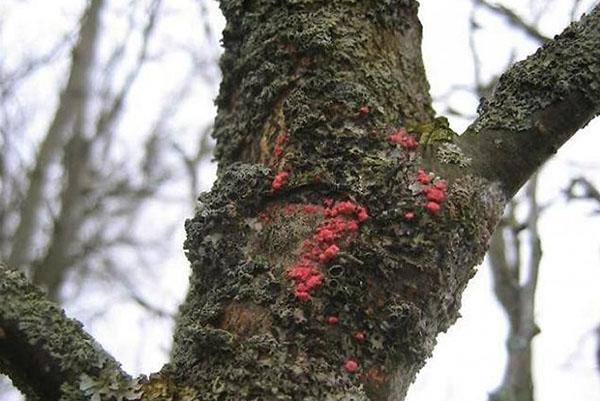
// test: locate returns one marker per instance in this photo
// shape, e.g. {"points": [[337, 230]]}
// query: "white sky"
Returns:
{"points": [[469, 360]]}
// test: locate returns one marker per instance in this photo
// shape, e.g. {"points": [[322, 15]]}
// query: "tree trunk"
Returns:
{"points": [[314, 96]]}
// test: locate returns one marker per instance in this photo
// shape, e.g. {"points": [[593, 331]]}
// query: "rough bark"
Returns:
{"points": [[310, 95], [335, 245], [537, 105], [46, 355]]}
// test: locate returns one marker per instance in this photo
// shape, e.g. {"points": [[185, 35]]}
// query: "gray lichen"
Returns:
{"points": [[566, 65]]}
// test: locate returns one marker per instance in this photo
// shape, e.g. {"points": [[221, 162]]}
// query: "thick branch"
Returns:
{"points": [[538, 104], [41, 350]]}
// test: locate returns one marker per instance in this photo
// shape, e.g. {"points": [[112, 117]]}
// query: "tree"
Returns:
{"points": [[346, 219]]}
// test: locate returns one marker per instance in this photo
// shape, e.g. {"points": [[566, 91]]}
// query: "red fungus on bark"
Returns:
{"points": [[329, 253], [434, 195], [341, 220], [278, 148], [432, 207], [280, 180], [441, 185], [403, 138], [351, 366], [423, 177]]}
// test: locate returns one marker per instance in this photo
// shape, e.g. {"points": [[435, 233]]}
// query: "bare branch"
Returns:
{"points": [[515, 20], [74, 93]]}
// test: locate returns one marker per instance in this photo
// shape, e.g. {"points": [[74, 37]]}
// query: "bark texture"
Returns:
{"points": [[537, 105], [311, 95], [46, 355]]}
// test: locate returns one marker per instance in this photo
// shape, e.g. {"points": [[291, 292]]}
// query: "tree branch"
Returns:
{"points": [[538, 104], [514, 20], [75, 92], [41, 350]]}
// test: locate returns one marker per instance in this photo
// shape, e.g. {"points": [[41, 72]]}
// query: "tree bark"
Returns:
{"points": [[346, 220], [46, 355]]}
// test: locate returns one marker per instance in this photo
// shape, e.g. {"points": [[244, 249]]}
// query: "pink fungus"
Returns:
{"points": [[314, 281], [432, 207], [351, 366], [302, 295], [423, 177], [352, 226], [325, 235], [301, 272], [329, 253], [403, 138], [280, 180], [362, 214], [360, 336], [435, 195], [345, 207], [441, 185]]}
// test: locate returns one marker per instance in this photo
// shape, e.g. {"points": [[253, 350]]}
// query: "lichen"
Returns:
{"points": [[319, 95], [451, 153], [308, 52], [42, 350], [566, 65], [389, 282]]}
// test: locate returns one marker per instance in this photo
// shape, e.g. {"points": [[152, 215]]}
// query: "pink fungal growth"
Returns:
{"points": [[351, 366], [403, 138], [341, 221], [279, 143], [362, 214], [329, 253], [360, 336], [435, 193], [432, 207], [441, 185], [280, 180], [423, 177]]}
